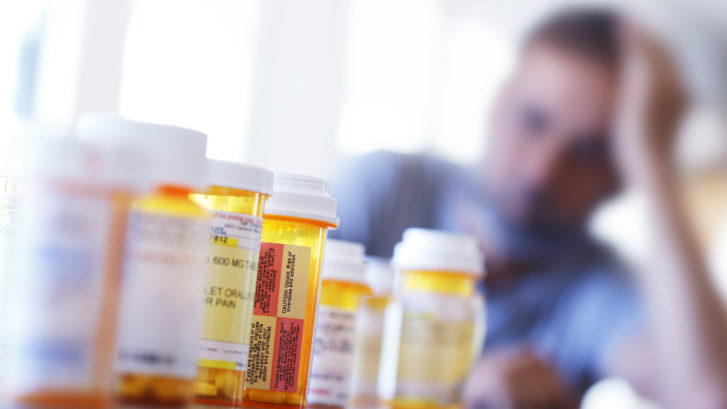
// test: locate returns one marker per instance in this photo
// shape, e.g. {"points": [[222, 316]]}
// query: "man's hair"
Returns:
{"points": [[592, 32]]}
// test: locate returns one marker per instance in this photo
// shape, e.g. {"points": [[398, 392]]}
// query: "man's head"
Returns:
{"points": [[548, 163]]}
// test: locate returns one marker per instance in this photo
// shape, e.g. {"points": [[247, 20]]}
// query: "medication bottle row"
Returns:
{"points": [[142, 272], [133, 246], [414, 347], [410, 346]]}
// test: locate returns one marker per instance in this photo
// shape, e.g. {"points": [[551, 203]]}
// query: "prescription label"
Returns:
{"points": [[332, 356], [9, 219], [8, 215], [163, 276], [446, 330], [276, 335], [62, 263], [229, 293]]}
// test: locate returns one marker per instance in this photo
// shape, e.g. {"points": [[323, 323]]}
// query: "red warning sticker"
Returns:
{"points": [[276, 337]]}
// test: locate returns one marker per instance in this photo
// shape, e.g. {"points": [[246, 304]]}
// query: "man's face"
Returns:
{"points": [[549, 164]]}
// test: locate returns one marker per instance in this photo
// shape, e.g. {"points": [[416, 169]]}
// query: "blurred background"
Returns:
{"points": [[302, 86]]}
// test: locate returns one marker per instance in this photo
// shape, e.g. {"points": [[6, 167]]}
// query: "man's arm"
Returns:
{"points": [[684, 359]]}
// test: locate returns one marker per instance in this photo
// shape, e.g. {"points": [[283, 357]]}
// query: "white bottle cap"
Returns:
{"points": [[87, 164], [177, 155], [344, 261], [432, 250], [239, 176], [305, 197], [379, 275]]}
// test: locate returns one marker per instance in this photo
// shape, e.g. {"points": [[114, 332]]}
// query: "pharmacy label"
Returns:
{"points": [[62, 265], [163, 276], [9, 221], [9, 215], [229, 293], [332, 356], [276, 337]]}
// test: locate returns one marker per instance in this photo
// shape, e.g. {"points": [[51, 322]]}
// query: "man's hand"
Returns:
{"points": [[515, 378], [652, 106], [686, 317]]}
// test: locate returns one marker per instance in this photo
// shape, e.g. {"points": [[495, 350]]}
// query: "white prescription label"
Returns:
{"points": [[61, 264], [163, 275], [332, 356], [9, 218], [229, 293]]}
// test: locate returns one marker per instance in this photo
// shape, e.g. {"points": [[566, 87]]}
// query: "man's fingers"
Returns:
{"points": [[531, 382], [650, 53]]}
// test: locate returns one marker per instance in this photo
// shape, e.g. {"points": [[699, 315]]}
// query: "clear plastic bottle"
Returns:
{"points": [[164, 265], [364, 390], [66, 273], [295, 225], [343, 284], [236, 197], [438, 314]]}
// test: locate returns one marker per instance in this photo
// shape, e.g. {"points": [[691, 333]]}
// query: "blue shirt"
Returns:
{"points": [[573, 312]]}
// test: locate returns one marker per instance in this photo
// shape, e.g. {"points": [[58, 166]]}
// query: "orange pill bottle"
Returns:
{"points": [[363, 387], [66, 272], [235, 199], [343, 284], [164, 264], [434, 327], [295, 224]]}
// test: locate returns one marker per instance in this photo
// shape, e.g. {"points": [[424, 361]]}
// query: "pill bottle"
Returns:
{"points": [[295, 224], [438, 314], [66, 270], [164, 265], [343, 284], [364, 390], [235, 199]]}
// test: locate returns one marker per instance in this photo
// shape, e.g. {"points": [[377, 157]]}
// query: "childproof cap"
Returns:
{"points": [[303, 197], [176, 155], [433, 250]]}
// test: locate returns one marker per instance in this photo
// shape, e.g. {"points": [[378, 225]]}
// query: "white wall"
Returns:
{"points": [[298, 86], [295, 86]]}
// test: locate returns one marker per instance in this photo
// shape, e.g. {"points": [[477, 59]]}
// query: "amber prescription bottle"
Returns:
{"points": [[66, 273], [364, 388], [235, 199], [343, 284], [164, 265], [435, 329], [295, 224]]}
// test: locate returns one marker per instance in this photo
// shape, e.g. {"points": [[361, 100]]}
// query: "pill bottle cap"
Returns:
{"points": [[239, 176], [176, 155], [344, 261], [379, 275], [86, 163], [306, 197], [432, 250]]}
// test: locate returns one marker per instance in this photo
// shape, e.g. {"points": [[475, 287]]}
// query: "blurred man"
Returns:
{"points": [[588, 107]]}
